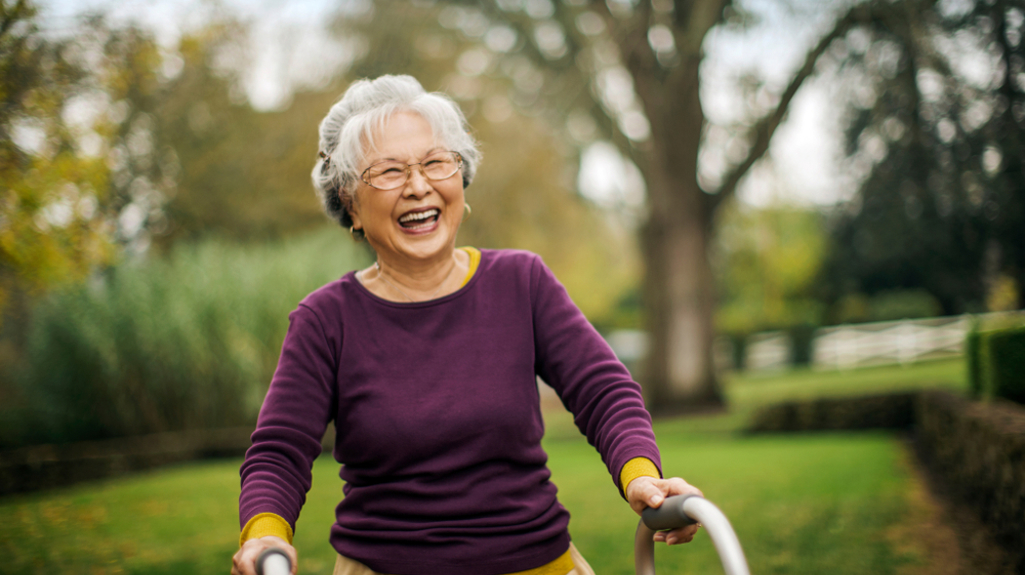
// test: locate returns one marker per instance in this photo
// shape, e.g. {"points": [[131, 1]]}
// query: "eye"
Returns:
{"points": [[388, 170]]}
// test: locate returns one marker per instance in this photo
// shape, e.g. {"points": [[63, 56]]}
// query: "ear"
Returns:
{"points": [[351, 205]]}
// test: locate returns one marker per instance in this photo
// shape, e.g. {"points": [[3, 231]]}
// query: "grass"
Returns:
{"points": [[837, 503]]}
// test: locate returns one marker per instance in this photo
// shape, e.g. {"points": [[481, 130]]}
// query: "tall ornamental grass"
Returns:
{"points": [[185, 342]]}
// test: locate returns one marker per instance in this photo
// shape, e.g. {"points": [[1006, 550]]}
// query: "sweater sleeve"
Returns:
{"points": [[276, 473], [593, 384]]}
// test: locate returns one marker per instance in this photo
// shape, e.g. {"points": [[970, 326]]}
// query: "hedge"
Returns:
{"points": [[975, 448], [44, 467], [1005, 367], [978, 449], [996, 363], [887, 411]]}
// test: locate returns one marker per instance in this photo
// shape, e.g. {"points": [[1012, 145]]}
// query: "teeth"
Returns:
{"points": [[418, 216]]}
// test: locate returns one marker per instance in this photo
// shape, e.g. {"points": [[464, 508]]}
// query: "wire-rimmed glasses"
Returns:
{"points": [[394, 174]]}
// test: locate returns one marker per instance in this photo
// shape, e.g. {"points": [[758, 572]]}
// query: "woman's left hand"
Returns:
{"points": [[644, 492]]}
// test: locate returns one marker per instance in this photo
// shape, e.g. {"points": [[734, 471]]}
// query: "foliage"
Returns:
{"points": [[997, 363], [53, 225], [1006, 363], [977, 450], [241, 173], [184, 343], [938, 152], [767, 262], [887, 305]]}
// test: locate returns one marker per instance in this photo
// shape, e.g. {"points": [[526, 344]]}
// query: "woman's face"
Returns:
{"points": [[393, 219]]}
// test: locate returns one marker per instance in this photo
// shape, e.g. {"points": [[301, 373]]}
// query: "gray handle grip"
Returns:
{"points": [[273, 561], [680, 511], [669, 516]]}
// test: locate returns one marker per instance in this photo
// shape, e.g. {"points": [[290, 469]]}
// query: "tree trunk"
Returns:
{"points": [[679, 374]]}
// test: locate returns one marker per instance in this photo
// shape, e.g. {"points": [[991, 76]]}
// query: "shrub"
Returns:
{"points": [[904, 304], [1005, 363], [978, 450], [186, 342], [995, 359], [886, 411]]}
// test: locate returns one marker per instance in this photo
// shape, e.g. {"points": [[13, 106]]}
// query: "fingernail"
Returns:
{"points": [[671, 540], [656, 499]]}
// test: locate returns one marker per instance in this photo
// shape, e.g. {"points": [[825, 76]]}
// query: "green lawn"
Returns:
{"points": [[836, 503]]}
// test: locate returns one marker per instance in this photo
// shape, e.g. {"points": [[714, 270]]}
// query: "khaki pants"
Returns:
{"points": [[346, 566]]}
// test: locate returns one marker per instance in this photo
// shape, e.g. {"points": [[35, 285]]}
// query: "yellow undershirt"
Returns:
{"points": [[268, 524]]}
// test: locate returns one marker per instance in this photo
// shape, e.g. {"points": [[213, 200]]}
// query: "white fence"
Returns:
{"points": [[879, 343], [841, 347]]}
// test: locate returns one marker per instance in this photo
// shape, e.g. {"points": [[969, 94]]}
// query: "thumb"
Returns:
{"points": [[645, 492], [653, 495]]}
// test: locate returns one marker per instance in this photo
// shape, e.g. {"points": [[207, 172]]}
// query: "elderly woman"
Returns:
{"points": [[427, 362]]}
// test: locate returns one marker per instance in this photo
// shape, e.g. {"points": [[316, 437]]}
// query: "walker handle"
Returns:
{"points": [[273, 561], [680, 511]]}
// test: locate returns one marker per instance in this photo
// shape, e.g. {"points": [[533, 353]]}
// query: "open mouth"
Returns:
{"points": [[419, 220]]}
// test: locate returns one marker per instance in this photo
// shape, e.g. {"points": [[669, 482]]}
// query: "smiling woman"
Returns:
{"points": [[427, 362]]}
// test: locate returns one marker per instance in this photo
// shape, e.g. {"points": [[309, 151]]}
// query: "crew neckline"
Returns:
{"points": [[467, 285]]}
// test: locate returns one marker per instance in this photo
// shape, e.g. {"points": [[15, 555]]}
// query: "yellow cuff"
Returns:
{"points": [[637, 467], [264, 525]]}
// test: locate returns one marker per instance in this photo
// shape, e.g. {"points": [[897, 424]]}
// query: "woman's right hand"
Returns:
{"points": [[244, 561]]}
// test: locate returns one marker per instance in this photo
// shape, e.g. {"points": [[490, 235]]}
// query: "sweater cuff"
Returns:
{"points": [[266, 525], [637, 467]]}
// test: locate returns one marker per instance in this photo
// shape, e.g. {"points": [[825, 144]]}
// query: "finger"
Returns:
{"points": [[677, 486], [244, 561], [293, 556], [682, 535]]}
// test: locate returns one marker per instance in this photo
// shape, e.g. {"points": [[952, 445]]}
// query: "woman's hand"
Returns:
{"points": [[244, 561], [645, 492]]}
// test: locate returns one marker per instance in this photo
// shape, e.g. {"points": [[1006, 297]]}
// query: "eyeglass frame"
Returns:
{"points": [[409, 170]]}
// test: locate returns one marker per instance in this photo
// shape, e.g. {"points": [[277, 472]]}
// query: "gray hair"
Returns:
{"points": [[365, 107]]}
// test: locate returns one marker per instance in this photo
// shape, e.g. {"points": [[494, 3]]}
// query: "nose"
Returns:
{"points": [[417, 185]]}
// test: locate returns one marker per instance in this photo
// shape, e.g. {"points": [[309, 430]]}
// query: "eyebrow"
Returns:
{"points": [[376, 161]]}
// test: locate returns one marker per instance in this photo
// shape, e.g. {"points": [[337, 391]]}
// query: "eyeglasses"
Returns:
{"points": [[391, 174]]}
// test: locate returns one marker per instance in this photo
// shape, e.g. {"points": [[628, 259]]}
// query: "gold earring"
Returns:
{"points": [[468, 210], [352, 232]]}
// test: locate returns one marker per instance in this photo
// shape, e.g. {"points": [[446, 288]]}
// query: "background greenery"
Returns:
{"points": [[185, 342], [837, 503]]}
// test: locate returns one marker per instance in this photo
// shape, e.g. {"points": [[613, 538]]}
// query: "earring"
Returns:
{"points": [[352, 232], [466, 207]]}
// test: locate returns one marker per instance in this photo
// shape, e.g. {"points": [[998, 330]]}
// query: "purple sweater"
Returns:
{"points": [[438, 419]]}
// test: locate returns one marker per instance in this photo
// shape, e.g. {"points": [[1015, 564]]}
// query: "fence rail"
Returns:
{"points": [[841, 347]]}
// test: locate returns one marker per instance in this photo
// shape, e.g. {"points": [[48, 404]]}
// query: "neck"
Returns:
{"points": [[402, 281], [418, 275]]}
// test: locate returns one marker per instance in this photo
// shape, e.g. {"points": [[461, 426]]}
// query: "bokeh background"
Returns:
{"points": [[754, 201]]}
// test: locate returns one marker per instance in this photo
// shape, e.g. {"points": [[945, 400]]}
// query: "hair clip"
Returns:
{"points": [[324, 156]]}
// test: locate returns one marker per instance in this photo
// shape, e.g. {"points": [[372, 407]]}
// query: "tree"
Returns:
{"points": [[630, 71], [941, 203], [54, 226]]}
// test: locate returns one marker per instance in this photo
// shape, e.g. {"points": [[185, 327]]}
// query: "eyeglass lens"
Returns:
{"points": [[390, 175]]}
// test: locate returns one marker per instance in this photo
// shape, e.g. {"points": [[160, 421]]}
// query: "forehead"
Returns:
{"points": [[404, 136]]}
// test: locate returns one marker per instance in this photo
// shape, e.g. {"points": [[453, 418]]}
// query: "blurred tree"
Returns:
{"points": [[54, 219], [627, 72], [240, 173], [767, 261], [937, 112]]}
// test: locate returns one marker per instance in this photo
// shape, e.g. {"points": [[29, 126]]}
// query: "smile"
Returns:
{"points": [[419, 220]]}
